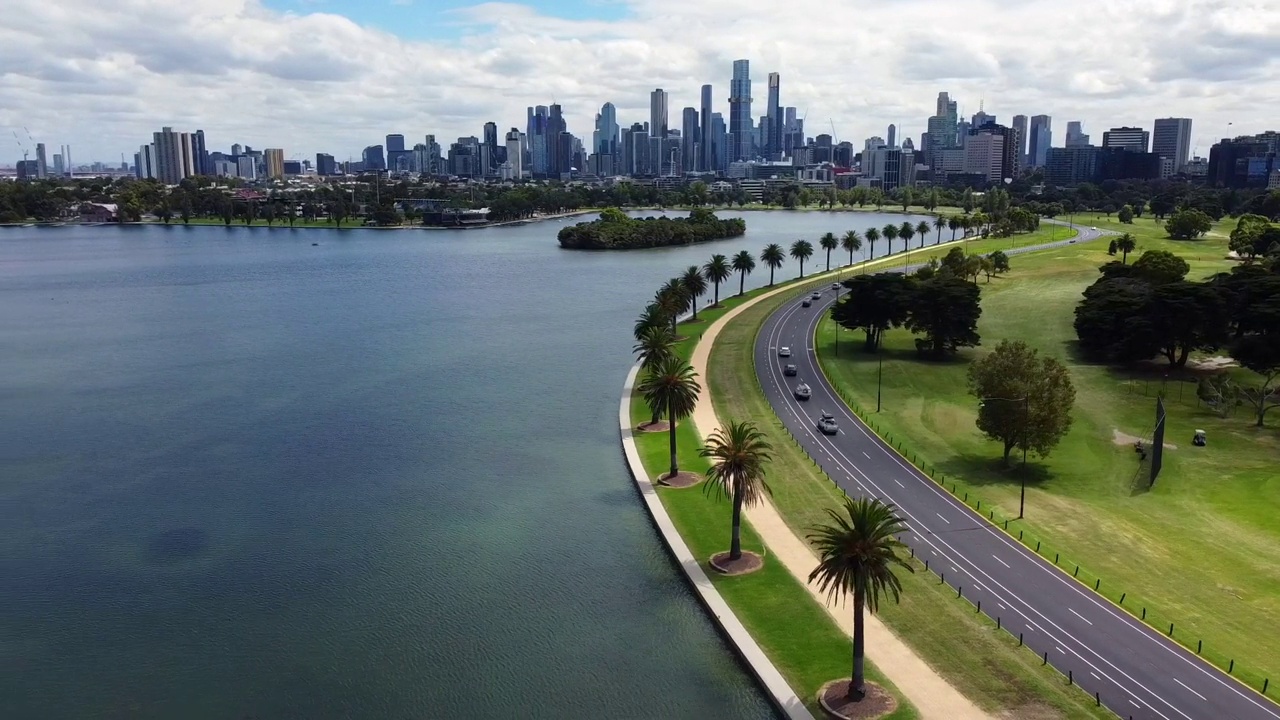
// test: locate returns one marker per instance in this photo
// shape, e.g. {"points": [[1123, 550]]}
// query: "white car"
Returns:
{"points": [[784, 351], [803, 392]]}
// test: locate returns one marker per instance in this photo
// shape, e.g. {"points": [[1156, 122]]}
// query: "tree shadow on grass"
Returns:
{"points": [[987, 470]]}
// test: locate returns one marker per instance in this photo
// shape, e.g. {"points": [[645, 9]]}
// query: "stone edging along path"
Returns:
{"points": [[770, 679]]}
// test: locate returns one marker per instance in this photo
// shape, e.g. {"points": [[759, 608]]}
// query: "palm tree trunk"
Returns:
{"points": [[693, 300], [770, 276], [717, 303], [828, 261], [742, 281], [735, 544], [850, 258], [671, 420], [857, 684]]}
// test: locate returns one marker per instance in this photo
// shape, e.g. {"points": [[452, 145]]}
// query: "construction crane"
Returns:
{"points": [[834, 139], [21, 147]]}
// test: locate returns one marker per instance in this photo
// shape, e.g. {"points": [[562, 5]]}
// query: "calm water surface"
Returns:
{"points": [[242, 476]]}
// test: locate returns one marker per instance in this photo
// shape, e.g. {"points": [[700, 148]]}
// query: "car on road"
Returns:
{"points": [[789, 370], [1093, 228], [835, 286], [784, 351], [806, 303], [817, 295], [827, 424], [803, 392]]}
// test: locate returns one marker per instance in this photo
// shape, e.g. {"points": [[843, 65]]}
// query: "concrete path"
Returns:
{"points": [[934, 697]]}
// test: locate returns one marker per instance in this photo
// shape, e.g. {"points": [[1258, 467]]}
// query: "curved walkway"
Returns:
{"points": [[933, 696]]}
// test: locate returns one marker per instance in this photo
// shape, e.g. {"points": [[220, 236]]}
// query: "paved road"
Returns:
{"points": [[1136, 671]]}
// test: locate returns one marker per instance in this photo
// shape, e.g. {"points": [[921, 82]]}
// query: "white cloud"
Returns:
{"points": [[102, 76]]}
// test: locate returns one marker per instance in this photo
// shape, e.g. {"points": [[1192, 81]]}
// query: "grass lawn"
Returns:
{"points": [[946, 632], [1200, 549], [793, 630]]}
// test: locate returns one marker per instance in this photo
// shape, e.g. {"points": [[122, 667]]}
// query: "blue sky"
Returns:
{"points": [[429, 19]]}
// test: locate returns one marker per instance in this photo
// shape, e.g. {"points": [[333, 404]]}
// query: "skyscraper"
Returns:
{"points": [[537, 134], [201, 153], [719, 143], [605, 139], [689, 139], [658, 114], [893, 135], [172, 156], [515, 158], [556, 156], [1171, 140], [373, 158], [707, 160], [491, 143], [273, 158], [773, 145], [740, 111], [42, 165], [1075, 136], [325, 164], [1039, 140], [395, 143], [1133, 139], [1020, 128]]}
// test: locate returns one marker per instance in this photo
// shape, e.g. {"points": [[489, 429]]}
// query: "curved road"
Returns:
{"points": [[1136, 671]]}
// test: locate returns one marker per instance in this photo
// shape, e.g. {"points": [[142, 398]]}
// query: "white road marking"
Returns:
{"points": [[943, 519], [1193, 692], [1073, 612], [1094, 674], [1000, 606], [904, 487], [865, 455], [1001, 561]]}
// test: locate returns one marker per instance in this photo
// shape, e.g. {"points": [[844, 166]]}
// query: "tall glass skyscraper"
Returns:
{"points": [[707, 159], [774, 144], [740, 111]]}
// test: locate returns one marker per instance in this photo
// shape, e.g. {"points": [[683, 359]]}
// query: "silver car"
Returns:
{"points": [[827, 424], [784, 351], [803, 392]]}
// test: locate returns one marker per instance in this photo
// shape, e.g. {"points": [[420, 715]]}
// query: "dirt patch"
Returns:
{"points": [[834, 698], [748, 563], [1120, 438], [679, 481], [1213, 364], [648, 427], [1032, 711]]}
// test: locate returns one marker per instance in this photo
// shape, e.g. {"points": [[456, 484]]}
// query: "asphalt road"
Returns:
{"points": [[1136, 671]]}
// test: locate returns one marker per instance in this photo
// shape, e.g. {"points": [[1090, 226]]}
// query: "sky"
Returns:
{"points": [[336, 75]]}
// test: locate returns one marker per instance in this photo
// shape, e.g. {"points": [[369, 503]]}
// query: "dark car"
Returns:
{"points": [[789, 371]]}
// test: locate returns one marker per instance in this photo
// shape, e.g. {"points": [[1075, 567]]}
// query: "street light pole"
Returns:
{"points": [[1026, 416], [879, 372]]}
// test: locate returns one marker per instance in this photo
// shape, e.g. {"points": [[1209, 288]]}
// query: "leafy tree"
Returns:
{"points": [[858, 551], [1188, 224], [1113, 247], [1260, 352], [802, 250], [773, 257], [1187, 316], [966, 201], [1024, 400], [716, 271], [999, 262], [738, 454], [672, 385], [872, 235], [953, 262], [695, 286], [185, 209], [1111, 323], [1126, 215], [338, 211], [851, 243], [1250, 237], [906, 197], [743, 264], [890, 233], [164, 211], [945, 310], [829, 242], [873, 304], [922, 230], [1160, 266], [986, 266], [226, 210]]}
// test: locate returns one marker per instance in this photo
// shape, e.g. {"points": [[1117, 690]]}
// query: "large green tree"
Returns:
{"points": [[890, 233], [1125, 244], [1025, 399], [1188, 224], [716, 271], [858, 552], [773, 257], [802, 250], [872, 235], [922, 230], [1160, 266], [945, 310], [673, 386], [738, 454], [743, 264], [873, 304], [906, 231]]}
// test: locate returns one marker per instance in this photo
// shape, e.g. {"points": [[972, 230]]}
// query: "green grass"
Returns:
{"points": [[1201, 549], [985, 663], [797, 634]]}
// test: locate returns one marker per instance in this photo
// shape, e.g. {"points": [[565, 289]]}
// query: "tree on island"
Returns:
{"points": [[858, 551], [738, 455], [802, 250], [743, 264], [890, 232], [829, 242], [673, 386], [851, 243], [922, 230], [715, 272], [873, 304], [945, 310], [906, 231], [773, 257], [1024, 400], [872, 235]]}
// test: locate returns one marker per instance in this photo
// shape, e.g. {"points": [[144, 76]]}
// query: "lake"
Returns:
{"points": [[380, 477]]}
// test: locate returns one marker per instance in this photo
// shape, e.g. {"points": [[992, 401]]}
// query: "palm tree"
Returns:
{"points": [[922, 229], [802, 250], [1126, 244], [906, 231], [852, 243], [672, 384], [955, 223], [940, 224], [773, 257], [872, 236], [829, 242], [858, 550], [738, 455], [695, 285], [651, 316], [654, 345], [890, 233], [716, 271], [743, 264], [672, 299]]}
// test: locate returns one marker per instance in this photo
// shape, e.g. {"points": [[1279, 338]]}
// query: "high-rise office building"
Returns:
{"points": [[1076, 137], [173, 156], [1039, 140], [1171, 140], [981, 118], [892, 135], [325, 165], [984, 156], [247, 167], [605, 139], [538, 141], [740, 111], [658, 114], [57, 164], [395, 143], [492, 152], [690, 139], [201, 153], [144, 162], [515, 158], [1133, 139], [719, 143], [273, 159], [707, 161], [1020, 127], [773, 144], [42, 165], [555, 128]]}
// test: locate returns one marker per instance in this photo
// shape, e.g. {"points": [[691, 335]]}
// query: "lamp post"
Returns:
{"points": [[1026, 415], [879, 372]]}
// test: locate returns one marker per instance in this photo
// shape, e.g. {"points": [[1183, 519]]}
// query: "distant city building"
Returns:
{"points": [[604, 141], [774, 119], [42, 166], [292, 167], [658, 114], [1129, 138], [892, 135], [325, 165], [1246, 161], [373, 159], [1076, 138], [1171, 140], [706, 150], [273, 160], [58, 167], [515, 158], [689, 139], [1039, 140], [1021, 127], [395, 143], [247, 167], [984, 156], [740, 111], [981, 118], [28, 169]]}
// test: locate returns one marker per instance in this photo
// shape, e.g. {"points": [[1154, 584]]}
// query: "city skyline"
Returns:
{"points": [[289, 76]]}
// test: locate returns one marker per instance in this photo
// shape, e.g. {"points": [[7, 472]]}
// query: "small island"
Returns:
{"points": [[615, 231]]}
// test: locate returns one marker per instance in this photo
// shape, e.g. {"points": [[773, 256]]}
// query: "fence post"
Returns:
{"points": [[1199, 646], [1231, 668], [1071, 680], [1055, 558], [1170, 629], [1122, 597], [1019, 639], [1097, 583], [997, 622], [1144, 613], [1077, 572], [1046, 658]]}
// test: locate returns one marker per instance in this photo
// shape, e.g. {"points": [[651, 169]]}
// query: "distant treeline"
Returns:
{"points": [[616, 231]]}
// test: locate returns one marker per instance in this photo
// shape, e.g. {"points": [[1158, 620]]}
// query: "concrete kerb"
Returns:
{"points": [[780, 693]]}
